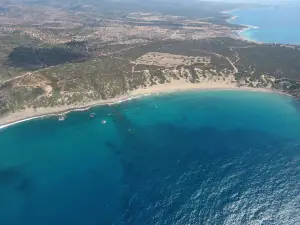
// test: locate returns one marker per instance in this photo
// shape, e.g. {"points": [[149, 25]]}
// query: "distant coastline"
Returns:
{"points": [[267, 24], [241, 33], [31, 114], [246, 37]]}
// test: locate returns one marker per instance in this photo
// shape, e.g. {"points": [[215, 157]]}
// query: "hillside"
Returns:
{"points": [[29, 57], [72, 55]]}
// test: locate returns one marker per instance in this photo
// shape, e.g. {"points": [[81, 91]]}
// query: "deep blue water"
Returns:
{"points": [[210, 157], [278, 24]]}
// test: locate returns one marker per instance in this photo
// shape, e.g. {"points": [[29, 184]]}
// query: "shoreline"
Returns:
{"points": [[245, 37], [31, 114], [239, 32]]}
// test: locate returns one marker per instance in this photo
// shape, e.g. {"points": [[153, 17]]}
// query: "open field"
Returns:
{"points": [[169, 60]]}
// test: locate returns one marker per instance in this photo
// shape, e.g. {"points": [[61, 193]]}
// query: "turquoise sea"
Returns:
{"points": [[277, 24], [205, 157]]}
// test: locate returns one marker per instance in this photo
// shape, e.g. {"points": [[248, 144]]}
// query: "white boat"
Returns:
{"points": [[92, 115], [61, 118], [103, 121]]}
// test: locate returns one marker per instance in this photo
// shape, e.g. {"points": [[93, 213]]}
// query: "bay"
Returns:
{"points": [[204, 157]]}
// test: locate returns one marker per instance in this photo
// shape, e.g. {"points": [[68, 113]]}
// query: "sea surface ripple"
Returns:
{"points": [[206, 157]]}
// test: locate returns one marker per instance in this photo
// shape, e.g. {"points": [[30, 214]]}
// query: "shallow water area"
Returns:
{"points": [[200, 157], [276, 24]]}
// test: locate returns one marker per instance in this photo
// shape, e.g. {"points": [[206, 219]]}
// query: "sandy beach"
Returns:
{"points": [[174, 86]]}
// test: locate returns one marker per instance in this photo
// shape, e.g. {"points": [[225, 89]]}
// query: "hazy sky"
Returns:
{"points": [[257, 1]]}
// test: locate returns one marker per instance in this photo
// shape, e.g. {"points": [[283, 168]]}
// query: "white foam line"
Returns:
{"points": [[250, 26], [73, 110], [21, 121], [128, 99]]}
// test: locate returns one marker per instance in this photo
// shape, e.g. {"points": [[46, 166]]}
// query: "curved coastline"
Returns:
{"points": [[30, 114], [240, 32], [242, 35], [281, 29]]}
